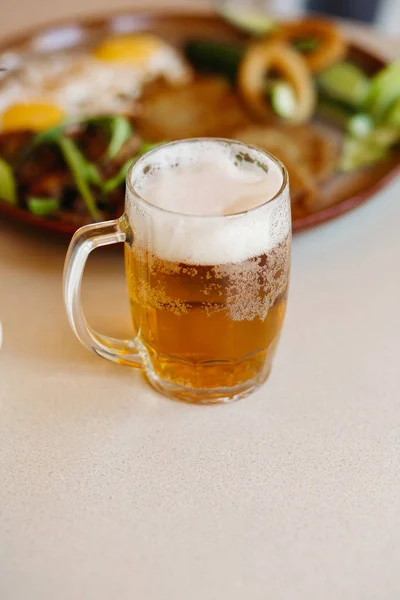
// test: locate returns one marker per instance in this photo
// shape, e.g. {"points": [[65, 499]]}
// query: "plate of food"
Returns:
{"points": [[80, 101]]}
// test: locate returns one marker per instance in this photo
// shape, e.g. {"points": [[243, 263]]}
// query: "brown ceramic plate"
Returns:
{"points": [[341, 194]]}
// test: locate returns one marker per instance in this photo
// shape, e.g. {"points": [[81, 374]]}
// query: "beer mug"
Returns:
{"points": [[207, 291]]}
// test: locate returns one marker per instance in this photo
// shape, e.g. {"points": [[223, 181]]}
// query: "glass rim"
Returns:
{"points": [[130, 185]]}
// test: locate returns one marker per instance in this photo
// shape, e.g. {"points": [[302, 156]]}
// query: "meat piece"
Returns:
{"points": [[206, 107], [11, 144], [51, 184]]}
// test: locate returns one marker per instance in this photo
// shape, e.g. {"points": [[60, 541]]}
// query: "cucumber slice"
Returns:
{"points": [[384, 90], [359, 152], [346, 83], [360, 125], [252, 21], [392, 117], [121, 131], [7, 183], [283, 99]]}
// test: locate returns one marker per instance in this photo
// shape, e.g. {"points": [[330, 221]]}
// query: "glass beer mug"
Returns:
{"points": [[207, 233]]}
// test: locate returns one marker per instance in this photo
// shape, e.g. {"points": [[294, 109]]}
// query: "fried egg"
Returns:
{"points": [[34, 116], [109, 79]]}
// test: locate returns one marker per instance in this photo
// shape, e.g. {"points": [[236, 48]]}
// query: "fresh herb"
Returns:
{"points": [[43, 207], [121, 131], [360, 151], [78, 167], [119, 128], [7, 183], [92, 173], [119, 178], [50, 136], [83, 172]]}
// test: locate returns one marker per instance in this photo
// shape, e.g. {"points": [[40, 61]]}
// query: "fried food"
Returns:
{"points": [[206, 107], [308, 156], [318, 152], [330, 46], [262, 58]]}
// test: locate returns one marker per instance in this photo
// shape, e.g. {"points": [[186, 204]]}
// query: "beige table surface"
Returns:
{"points": [[109, 491]]}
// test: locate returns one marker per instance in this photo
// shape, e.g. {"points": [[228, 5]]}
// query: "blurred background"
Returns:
{"points": [[383, 14]]}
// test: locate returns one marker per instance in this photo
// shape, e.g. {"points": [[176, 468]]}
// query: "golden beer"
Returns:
{"points": [[205, 327]]}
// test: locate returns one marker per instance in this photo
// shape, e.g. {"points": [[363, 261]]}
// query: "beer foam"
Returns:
{"points": [[214, 200]]}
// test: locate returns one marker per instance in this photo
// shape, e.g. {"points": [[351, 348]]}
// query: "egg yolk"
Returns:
{"points": [[34, 116], [132, 49]]}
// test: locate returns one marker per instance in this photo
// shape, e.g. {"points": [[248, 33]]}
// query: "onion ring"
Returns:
{"points": [[331, 45], [262, 57]]}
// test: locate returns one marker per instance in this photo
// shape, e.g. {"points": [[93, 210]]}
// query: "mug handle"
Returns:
{"points": [[85, 240]]}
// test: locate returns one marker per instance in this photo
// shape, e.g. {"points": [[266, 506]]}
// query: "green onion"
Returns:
{"points": [[86, 173], [119, 178], [92, 174], [78, 167], [121, 131], [48, 137]]}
